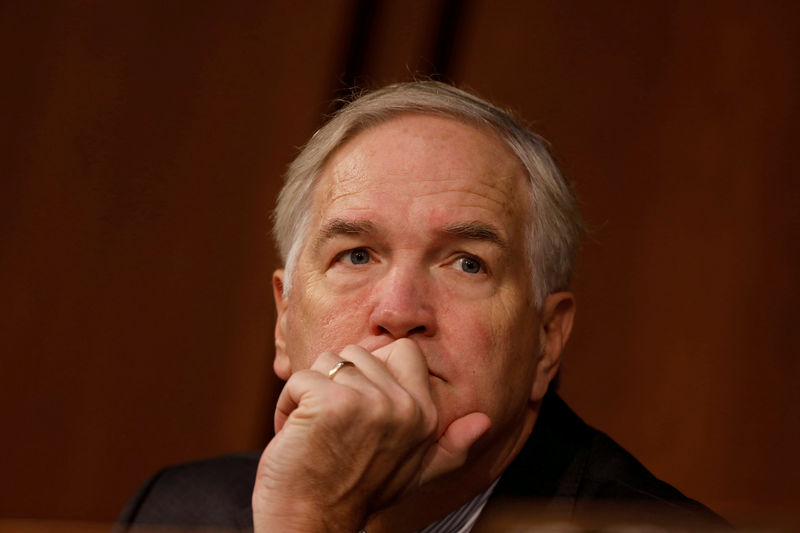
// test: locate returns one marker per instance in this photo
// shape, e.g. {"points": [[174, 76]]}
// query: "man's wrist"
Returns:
{"points": [[298, 516]]}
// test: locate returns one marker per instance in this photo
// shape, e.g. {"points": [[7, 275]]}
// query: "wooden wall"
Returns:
{"points": [[142, 148]]}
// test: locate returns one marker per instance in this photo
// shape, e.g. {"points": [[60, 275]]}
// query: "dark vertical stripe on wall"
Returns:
{"points": [[450, 21], [361, 34]]}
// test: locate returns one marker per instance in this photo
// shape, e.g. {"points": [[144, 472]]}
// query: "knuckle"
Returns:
{"points": [[377, 403], [432, 424], [417, 418], [407, 409], [430, 419], [344, 401]]}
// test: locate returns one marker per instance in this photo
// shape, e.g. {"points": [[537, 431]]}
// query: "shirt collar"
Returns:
{"points": [[462, 519]]}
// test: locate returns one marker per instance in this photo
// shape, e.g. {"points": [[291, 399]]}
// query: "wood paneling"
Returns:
{"points": [[143, 145]]}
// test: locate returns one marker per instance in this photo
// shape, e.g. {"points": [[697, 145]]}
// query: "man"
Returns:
{"points": [[428, 241]]}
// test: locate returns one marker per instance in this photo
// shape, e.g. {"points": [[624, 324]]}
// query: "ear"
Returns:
{"points": [[281, 365], [558, 313]]}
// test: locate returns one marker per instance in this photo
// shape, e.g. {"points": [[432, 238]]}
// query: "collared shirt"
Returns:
{"points": [[462, 519]]}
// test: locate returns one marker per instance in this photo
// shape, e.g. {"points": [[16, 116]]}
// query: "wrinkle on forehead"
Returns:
{"points": [[501, 189], [440, 156]]}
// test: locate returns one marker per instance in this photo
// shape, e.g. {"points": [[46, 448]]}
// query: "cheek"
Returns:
{"points": [[490, 351], [471, 354], [322, 323], [491, 335]]}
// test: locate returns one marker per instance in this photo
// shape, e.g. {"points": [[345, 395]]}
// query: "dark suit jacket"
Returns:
{"points": [[566, 467]]}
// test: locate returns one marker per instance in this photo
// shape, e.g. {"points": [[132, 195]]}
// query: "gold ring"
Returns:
{"points": [[338, 367]]}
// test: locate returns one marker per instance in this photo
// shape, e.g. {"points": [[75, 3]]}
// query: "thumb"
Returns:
{"points": [[450, 451]]}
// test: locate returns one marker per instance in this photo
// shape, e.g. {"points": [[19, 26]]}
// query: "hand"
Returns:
{"points": [[347, 447]]}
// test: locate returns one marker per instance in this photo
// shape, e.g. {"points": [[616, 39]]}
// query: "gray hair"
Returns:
{"points": [[554, 224]]}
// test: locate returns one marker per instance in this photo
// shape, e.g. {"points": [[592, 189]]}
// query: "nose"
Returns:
{"points": [[402, 305]]}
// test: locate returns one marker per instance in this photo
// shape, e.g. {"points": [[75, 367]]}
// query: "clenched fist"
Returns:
{"points": [[348, 446]]}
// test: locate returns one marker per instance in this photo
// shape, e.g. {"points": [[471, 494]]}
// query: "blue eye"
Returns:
{"points": [[470, 265], [356, 256]]}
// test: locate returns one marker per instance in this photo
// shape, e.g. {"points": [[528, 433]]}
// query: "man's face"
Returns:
{"points": [[417, 231]]}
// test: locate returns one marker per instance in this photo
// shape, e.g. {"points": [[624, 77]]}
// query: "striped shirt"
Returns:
{"points": [[462, 519]]}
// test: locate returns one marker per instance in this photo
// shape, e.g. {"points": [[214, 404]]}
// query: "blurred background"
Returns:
{"points": [[143, 143]]}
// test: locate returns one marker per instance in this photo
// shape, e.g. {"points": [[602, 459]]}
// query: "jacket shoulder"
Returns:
{"points": [[213, 492], [615, 480], [568, 465]]}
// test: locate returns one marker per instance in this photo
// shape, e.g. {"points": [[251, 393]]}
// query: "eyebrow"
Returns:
{"points": [[339, 226], [475, 231]]}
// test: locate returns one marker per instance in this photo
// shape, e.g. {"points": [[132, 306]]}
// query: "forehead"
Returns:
{"points": [[425, 165]]}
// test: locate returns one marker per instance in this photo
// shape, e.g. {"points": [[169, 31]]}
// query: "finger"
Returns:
{"points": [[365, 373], [302, 385], [327, 362], [366, 367], [450, 451], [405, 361], [407, 364]]}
